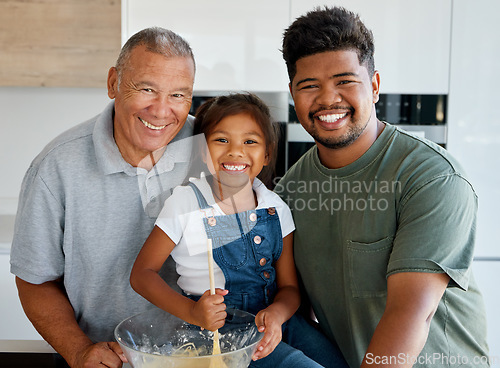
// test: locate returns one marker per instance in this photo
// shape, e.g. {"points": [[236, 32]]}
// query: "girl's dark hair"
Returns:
{"points": [[212, 111], [327, 29]]}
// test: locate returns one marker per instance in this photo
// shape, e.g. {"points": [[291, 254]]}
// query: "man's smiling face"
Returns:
{"points": [[152, 101], [334, 97]]}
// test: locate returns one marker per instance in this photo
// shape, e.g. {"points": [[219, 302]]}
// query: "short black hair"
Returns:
{"points": [[327, 29]]}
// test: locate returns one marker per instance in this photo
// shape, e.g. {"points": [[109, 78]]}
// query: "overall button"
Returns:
{"points": [[262, 262], [266, 274], [257, 239], [271, 210], [212, 221], [253, 216]]}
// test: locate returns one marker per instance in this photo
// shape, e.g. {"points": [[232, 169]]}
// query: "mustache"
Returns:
{"points": [[314, 112]]}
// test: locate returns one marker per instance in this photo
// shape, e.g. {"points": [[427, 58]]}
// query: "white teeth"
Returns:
{"points": [[151, 126], [234, 167], [332, 118]]}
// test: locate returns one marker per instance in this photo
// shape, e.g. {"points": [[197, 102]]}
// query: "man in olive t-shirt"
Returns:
{"points": [[385, 220]]}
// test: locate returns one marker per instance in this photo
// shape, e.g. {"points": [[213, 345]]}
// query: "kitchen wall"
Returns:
{"points": [[474, 136], [32, 116]]}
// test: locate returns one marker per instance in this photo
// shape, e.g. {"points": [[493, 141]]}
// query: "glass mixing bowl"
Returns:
{"points": [[155, 339]]}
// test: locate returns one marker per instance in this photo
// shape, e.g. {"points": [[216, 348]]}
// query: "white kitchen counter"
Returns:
{"points": [[25, 346], [6, 232], [8, 209], [17, 334]]}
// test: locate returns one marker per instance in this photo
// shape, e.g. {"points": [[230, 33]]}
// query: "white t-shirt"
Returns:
{"points": [[182, 220]]}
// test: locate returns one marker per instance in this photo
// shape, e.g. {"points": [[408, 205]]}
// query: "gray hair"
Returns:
{"points": [[156, 39]]}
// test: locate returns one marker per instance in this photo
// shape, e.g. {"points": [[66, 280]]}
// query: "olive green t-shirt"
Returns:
{"points": [[404, 206]]}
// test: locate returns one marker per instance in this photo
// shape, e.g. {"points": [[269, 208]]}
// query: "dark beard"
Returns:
{"points": [[339, 143], [336, 143]]}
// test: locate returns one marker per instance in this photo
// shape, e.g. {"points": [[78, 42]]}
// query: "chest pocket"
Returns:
{"points": [[234, 255], [367, 267]]}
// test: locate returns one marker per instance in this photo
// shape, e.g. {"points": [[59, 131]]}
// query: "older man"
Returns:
{"points": [[90, 198]]}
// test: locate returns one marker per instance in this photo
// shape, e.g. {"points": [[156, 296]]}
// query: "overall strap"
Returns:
{"points": [[202, 202]]}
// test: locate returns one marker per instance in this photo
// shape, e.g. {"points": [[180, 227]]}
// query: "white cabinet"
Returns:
{"points": [[236, 44], [412, 40], [473, 119]]}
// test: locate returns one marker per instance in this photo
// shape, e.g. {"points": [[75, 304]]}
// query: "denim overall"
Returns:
{"points": [[245, 246]]}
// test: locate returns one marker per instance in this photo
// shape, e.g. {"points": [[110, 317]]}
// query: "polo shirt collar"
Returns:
{"points": [[108, 155], [109, 158]]}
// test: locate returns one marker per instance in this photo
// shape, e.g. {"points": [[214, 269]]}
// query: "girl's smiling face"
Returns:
{"points": [[238, 150]]}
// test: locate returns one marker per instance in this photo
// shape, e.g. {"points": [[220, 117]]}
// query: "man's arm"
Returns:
{"points": [[49, 310], [412, 300]]}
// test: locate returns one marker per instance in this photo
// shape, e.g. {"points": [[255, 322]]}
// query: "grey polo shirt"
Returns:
{"points": [[84, 214]]}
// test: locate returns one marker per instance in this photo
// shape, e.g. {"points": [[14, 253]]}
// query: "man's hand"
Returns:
{"points": [[269, 322], [48, 308], [102, 354]]}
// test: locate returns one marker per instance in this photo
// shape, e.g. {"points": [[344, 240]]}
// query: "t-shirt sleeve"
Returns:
{"points": [[286, 219], [175, 210], [37, 253], [436, 230]]}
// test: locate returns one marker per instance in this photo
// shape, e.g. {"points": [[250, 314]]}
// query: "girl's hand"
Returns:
{"points": [[270, 323], [209, 311]]}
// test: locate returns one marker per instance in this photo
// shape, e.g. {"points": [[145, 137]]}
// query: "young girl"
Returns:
{"points": [[252, 233]]}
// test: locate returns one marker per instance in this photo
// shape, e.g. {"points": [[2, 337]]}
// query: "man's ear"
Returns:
{"points": [[112, 82], [376, 86]]}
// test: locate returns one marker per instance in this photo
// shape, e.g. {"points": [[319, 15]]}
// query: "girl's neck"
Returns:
{"points": [[233, 199]]}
